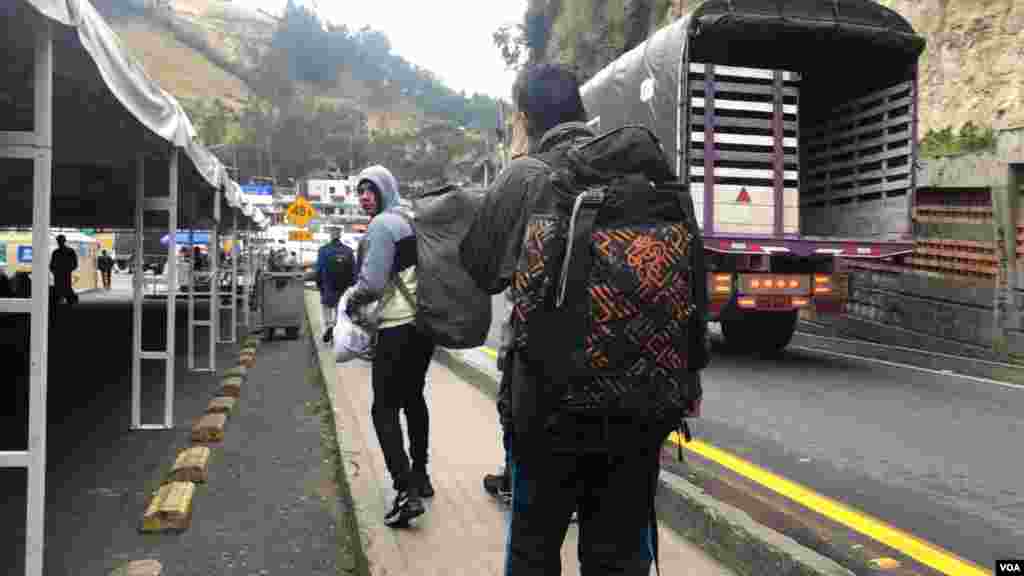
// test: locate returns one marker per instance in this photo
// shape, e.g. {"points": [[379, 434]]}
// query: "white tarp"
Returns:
{"points": [[141, 96], [129, 83]]}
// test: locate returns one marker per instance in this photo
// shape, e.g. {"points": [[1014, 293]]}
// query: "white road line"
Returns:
{"points": [[915, 351], [911, 367]]}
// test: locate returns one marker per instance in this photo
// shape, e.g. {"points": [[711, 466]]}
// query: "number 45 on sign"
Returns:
{"points": [[300, 212]]}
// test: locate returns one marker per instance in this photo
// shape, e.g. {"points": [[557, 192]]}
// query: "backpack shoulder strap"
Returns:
{"points": [[575, 262], [404, 290]]}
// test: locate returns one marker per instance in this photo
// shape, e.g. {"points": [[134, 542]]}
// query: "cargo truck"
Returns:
{"points": [[794, 125]]}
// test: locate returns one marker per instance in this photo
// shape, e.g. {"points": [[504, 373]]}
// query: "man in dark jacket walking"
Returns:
{"points": [[106, 265], [63, 262], [559, 462], [335, 273]]}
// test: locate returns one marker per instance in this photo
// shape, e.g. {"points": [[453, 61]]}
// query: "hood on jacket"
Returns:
{"points": [[386, 184], [567, 131]]}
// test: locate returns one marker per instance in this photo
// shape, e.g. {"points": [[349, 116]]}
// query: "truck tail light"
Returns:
{"points": [[721, 283], [798, 302], [822, 284], [746, 302]]}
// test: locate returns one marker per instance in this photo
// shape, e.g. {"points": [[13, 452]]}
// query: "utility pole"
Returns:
{"points": [[503, 136]]}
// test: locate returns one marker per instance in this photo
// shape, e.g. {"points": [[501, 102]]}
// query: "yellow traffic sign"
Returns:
{"points": [[300, 212], [299, 235]]}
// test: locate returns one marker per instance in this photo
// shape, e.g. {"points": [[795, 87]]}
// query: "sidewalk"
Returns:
{"points": [[463, 531]]}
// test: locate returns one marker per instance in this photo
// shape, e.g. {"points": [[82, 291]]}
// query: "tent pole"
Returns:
{"points": [[137, 290], [214, 250], [234, 275], [172, 284], [40, 319]]}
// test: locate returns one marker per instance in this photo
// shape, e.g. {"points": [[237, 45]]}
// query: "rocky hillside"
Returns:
{"points": [[196, 49], [302, 92], [971, 71], [972, 68]]}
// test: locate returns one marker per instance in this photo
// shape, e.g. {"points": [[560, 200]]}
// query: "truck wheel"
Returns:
{"points": [[760, 332]]}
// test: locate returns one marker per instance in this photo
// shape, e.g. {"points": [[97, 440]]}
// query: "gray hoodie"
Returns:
{"points": [[388, 248]]}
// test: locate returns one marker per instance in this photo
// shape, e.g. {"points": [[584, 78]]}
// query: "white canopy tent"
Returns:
{"points": [[87, 138]]}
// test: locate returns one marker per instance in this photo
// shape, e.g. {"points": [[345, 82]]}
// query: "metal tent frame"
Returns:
{"points": [[36, 146], [96, 84]]}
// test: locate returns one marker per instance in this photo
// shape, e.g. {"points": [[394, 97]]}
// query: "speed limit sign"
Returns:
{"points": [[300, 212]]}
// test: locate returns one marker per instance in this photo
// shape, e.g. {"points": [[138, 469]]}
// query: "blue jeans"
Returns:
{"points": [[613, 495]]}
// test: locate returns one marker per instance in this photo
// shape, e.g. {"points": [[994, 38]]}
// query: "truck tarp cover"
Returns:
{"points": [[449, 301], [823, 40]]}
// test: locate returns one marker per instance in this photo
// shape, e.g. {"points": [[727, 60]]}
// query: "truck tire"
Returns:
{"points": [[760, 332]]}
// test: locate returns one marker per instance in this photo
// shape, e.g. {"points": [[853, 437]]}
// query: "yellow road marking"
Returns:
{"points": [[924, 552]]}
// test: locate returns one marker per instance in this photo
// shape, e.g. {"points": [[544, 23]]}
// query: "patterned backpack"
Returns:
{"points": [[609, 296]]}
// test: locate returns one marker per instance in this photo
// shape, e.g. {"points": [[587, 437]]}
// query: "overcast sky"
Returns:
{"points": [[451, 38]]}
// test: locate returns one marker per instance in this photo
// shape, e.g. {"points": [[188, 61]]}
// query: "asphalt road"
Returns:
{"points": [[934, 455]]}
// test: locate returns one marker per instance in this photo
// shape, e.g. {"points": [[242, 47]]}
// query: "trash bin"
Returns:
{"points": [[282, 302]]}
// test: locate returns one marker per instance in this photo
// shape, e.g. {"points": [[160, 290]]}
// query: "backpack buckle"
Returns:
{"points": [[590, 197]]}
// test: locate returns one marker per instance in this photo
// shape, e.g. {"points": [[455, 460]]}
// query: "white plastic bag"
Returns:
{"points": [[354, 339], [351, 341]]}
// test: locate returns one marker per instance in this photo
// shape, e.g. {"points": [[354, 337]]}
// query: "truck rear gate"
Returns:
{"points": [[744, 153]]}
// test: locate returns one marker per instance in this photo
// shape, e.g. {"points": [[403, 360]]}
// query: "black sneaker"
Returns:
{"points": [[495, 484], [427, 490], [407, 506]]}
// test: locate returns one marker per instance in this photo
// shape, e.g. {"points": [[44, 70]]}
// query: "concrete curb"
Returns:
{"points": [[725, 532], [356, 464]]}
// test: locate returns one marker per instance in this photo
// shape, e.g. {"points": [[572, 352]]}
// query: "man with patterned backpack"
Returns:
{"points": [[601, 252]]}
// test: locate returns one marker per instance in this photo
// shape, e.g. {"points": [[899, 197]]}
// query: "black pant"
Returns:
{"points": [[399, 375], [613, 495], [63, 291]]}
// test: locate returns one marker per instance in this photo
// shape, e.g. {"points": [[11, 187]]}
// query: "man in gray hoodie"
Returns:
{"points": [[387, 256]]}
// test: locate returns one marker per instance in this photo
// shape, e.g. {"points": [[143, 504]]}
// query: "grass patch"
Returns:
{"points": [[945, 142], [352, 560]]}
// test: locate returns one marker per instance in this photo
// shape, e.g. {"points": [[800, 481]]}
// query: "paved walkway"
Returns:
{"points": [[463, 531]]}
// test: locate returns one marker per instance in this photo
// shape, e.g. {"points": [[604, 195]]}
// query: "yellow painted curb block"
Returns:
{"points": [[221, 405], [238, 372], [885, 563], [170, 509], [209, 428], [191, 465], [247, 360], [252, 341], [148, 567], [248, 350], [231, 386]]}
